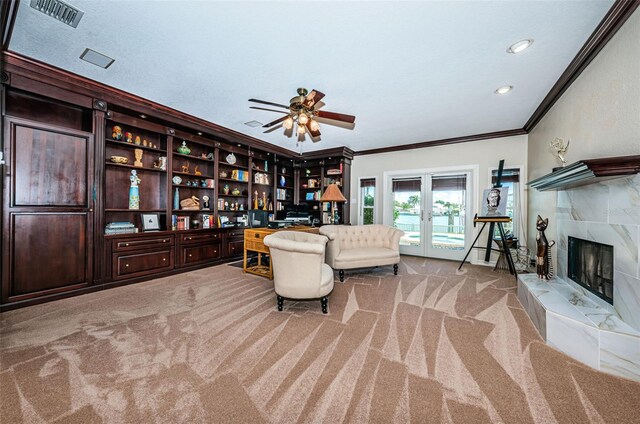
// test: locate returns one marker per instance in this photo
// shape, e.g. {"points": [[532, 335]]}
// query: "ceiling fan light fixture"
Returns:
{"points": [[303, 118], [520, 46], [504, 89], [301, 129], [314, 126], [288, 123]]}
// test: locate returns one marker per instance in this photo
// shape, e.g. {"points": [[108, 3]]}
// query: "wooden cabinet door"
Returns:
{"points": [[47, 210]]}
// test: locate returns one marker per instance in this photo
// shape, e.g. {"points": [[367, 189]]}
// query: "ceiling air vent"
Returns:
{"points": [[59, 10]]}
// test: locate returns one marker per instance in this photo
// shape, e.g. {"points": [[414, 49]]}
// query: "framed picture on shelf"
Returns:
{"points": [[309, 196], [150, 221]]}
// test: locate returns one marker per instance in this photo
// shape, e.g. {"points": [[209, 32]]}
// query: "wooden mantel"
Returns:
{"points": [[587, 171]]}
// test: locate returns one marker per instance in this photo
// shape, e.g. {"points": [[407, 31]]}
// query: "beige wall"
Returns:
{"points": [[600, 113], [485, 154]]}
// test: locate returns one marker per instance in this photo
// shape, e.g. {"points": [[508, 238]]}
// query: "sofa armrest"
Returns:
{"points": [[395, 239], [333, 247]]}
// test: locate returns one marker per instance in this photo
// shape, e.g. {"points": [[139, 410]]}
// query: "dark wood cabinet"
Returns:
{"points": [[234, 243], [47, 210], [192, 255]]}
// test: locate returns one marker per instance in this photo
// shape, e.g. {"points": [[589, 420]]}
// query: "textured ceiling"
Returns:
{"points": [[409, 71]]}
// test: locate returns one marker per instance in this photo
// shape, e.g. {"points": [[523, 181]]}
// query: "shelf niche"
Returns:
{"points": [[587, 172]]}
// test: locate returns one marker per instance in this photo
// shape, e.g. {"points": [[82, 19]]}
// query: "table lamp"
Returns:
{"points": [[333, 194]]}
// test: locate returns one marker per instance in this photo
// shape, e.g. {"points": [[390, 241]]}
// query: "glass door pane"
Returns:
{"points": [[447, 217], [407, 213]]}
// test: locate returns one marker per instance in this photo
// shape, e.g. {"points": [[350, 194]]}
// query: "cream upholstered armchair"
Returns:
{"points": [[362, 246], [299, 271]]}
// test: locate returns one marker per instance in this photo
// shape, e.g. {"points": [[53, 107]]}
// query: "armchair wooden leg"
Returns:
{"points": [[395, 269], [324, 301], [341, 275], [280, 302]]}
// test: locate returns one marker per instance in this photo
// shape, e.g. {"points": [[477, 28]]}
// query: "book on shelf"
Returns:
{"points": [[108, 231], [121, 224], [179, 222]]}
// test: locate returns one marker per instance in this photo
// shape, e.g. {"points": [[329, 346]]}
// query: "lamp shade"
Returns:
{"points": [[332, 194]]}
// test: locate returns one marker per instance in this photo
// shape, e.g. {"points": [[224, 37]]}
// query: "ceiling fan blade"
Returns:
{"points": [[313, 133], [268, 103], [336, 116], [277, 121], [264, 108], [272, 129], [312, 98]]}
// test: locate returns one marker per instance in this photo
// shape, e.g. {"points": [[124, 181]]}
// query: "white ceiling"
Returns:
{"points": [[409, 71]]}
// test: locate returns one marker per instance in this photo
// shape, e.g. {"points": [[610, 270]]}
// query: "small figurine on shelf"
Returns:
{"points": [[205, 202], [235, 192], [307, 172], [134, 192], [161, 163], [241, 207], [145, 143], [203, 183], [223, 174], [237, 207], [185, 168], [129, 137], [137, 140], [255, 199], [266, 166], [264, 201], [138, 155], [226, 205], [225, 189], [196, 172], [117, 133], [184, 149], [283, 181]]}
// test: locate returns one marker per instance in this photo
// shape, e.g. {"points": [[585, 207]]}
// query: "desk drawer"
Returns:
{"points": [[235, 248], [146, 243], [192, 255], [200, 238], [235, 233], [129, 265]]}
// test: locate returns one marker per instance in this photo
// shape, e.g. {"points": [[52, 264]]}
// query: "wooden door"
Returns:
{"points": [[47, 210]]}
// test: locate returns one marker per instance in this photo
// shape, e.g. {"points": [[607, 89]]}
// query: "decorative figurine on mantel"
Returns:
{"points": [[544, 268], [184, 149], [138, 154], [205, 202], [558, 145], [134, 192]]}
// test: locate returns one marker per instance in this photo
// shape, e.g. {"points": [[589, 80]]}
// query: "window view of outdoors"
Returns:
{"points": [[367, 204], [406, 216], [448, 217]]}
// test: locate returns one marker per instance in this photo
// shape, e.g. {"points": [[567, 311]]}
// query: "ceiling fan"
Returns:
{"points": [[302, 110]]}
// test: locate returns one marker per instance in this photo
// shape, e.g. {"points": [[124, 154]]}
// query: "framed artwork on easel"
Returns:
{"points": [[494, 201]]}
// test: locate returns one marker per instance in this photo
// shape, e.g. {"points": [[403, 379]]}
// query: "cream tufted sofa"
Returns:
{"points": [[361, 246], [299, 271]]}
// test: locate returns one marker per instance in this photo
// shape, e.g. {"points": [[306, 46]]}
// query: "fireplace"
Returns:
{"points": [[590, 264]]}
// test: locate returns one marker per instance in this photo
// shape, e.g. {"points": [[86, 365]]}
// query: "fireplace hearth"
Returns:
{"points": [[590, 264]]}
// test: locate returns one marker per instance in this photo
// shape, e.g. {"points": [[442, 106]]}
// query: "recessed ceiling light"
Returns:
{"points": [[143, 116], [504, 89], [520, 46], [96, 58], [253, 124]]}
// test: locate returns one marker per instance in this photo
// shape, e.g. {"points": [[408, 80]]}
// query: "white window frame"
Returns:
{"points": [[376, 199]]}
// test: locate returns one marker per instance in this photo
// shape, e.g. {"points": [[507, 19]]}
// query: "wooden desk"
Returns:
{"points": [[254, 242]]}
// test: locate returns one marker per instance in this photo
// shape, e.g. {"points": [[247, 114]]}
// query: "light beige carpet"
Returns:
{"points": [[428, 346]]}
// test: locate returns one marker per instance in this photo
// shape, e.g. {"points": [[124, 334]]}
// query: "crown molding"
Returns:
{"points": [[443, 142]]}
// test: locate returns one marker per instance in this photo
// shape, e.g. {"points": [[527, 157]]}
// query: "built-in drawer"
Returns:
{"points": [[235, 248], [192, 255], [235, 233], [207, 237], [130, 265], [143, 243]]}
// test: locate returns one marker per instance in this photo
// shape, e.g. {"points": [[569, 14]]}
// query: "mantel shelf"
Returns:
{"points": [[588, 171]]}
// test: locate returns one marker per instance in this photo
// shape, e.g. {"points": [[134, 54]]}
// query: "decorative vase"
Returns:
{"points": [[184, 149], [283, 181], [176, 199], [134, 192]]}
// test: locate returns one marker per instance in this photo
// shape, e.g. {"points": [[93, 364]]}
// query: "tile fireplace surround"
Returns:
{"points": [[568, 316]]}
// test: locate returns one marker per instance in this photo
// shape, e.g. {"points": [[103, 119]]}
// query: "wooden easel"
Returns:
{"points": [[499, 220]]}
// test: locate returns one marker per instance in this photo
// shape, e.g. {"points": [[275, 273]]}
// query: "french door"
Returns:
{"points": [[431, 208]]}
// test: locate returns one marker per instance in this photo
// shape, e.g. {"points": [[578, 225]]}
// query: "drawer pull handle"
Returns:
{"points": [[126, 245], [126, 265], [257, 235], [163, 260], [188, 238], [164, 241], [190, 255]]}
